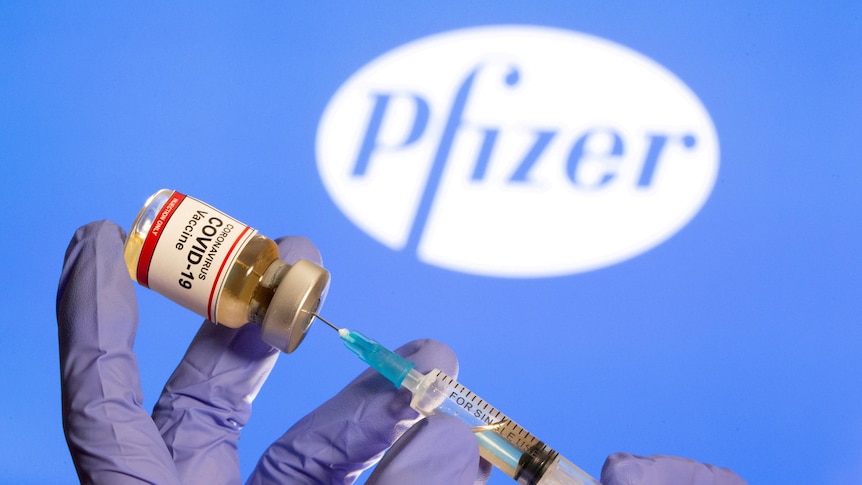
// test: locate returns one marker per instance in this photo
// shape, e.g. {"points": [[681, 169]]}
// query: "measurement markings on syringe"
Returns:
{"points": [[462, 396], [494, 420]]}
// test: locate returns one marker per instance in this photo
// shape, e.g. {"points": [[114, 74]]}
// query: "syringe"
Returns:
{"points": [[502, 442]]}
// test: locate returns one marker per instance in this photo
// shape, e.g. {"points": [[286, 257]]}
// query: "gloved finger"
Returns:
{"points": [[293, 248], [207, 400], [350, 432], [110, 435], [437, 450], [626, 469]]}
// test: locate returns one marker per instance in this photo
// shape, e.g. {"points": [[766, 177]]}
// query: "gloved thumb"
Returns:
{"points": [[626, 469]]}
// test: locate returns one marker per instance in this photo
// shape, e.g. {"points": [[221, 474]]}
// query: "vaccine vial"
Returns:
{"points": [[222, 269]]}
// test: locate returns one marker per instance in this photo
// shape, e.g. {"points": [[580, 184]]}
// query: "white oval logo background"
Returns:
{"points": [[517, 151]]}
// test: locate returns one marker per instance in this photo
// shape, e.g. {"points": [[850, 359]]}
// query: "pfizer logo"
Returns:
{"points": [[517, 151]]}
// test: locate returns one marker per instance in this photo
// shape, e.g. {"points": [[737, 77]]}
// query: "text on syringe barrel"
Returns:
{"points": [[505, 444]]}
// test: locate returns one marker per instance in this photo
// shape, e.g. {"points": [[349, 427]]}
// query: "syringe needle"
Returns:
{"points": [[325, 321]]}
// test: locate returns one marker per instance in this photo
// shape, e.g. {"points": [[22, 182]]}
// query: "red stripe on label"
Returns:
{"points": [[153, 236], [227, 259]]}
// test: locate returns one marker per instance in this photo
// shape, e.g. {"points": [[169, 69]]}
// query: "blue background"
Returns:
{"points": [[736, 342]]}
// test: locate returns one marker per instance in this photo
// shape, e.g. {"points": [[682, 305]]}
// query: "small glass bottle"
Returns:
{"points": [[222, 269]]}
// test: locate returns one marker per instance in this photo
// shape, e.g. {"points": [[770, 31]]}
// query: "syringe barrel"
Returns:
{"points": [[504, 443], [563, 472]]}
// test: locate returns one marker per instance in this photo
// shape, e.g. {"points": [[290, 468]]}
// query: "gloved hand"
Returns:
{"points": [[626, 469], [192, 434]]}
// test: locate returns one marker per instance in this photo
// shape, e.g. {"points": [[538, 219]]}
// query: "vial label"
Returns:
{"points": [[189, 251]]}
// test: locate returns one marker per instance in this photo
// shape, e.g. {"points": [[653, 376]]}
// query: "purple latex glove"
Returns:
{"points": [[626, 469], [192, 434], [351, 431]]}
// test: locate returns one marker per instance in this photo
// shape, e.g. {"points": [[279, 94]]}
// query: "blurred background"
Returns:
{"points": [[735, 342]]}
